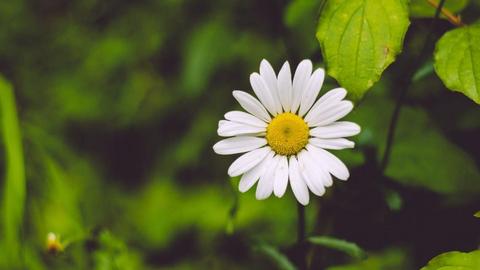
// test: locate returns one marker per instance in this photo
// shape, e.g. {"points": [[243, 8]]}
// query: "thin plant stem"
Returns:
{"points": [[301, 224], [404, 89], [454, 19], [301, 236]]}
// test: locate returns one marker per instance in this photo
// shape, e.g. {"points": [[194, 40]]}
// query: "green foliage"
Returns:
{"points": [[204, 53], [59, 210], [421, 8], [119, 101], [282, 262], [394, 200], [14, 182], [113, 253], [477, 214], [455, 260], [360, 39], [301, 18], [457, 60], [389, 260], [419, 160], [421, 155], [350, 248]]}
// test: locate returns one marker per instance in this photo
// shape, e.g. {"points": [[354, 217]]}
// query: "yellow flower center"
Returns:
{"points": [[287, 134]]}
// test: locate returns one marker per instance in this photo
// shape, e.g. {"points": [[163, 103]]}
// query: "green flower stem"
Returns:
{"points": [[301, 238], [403, 89]]}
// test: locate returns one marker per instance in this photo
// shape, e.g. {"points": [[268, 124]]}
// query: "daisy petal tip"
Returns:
{"points": [[306, 62], [358, 128], [231, 173], [260, 197], [242, 189], [215, 148], [278, 193], [304, 202], [254, 76], [236, 93], [344, 177], [321, 71]]}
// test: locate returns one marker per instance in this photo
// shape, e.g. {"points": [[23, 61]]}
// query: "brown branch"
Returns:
{"points": [[454, 19]]}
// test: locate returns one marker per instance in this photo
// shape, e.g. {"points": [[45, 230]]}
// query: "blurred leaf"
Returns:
{"points": [[301, 17], [425, 70], [58, 210], [394, 200], [297, 10], [389, 260], [455, 260], [204, 53], [457, 60], [114, 254], [359, 39], [422, 156], [350, 248], [477, 214], [276, 256], [161, 196], [14, 182], [421, 8]]}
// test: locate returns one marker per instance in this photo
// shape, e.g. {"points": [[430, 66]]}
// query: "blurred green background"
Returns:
{"points": [[118, 103]]}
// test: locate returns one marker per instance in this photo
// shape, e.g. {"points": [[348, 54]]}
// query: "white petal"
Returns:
{"points": [[311, 91], [229, 128], [334, 165], [300, 80], [265, 185], [336, 130], [313, 181], [247, 161], [263, 93], [281, 177], [316, 168], [297, 183], [239, 144], [327, 101], [251, 105], [285, 87], [337, 112], [334, 144], [268, 75], [244, 118], [250, 177]]}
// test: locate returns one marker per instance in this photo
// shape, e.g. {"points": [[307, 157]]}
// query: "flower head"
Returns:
{"points": [[53, 243], [285, 132]]}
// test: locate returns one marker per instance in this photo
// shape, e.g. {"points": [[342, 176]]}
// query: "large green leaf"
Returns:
{"points": [[14, 183], [421, 8], [455, 260], [422, 156], [457, 60], [360, 38], [350, 248]]}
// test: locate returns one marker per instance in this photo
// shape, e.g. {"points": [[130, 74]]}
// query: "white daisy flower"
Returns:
{"points": [[284, 133]]}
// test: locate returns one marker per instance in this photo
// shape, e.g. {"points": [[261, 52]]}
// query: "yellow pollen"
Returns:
{"points": [[287, 134]]}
